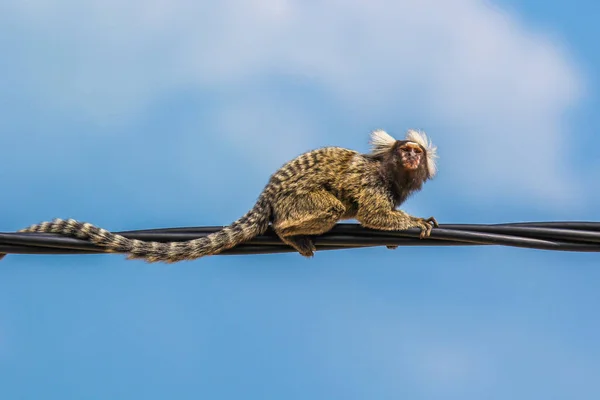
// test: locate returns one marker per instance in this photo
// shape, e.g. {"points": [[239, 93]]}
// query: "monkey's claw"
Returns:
{"points": [[426, 225], [432, 221], [425, 231]]}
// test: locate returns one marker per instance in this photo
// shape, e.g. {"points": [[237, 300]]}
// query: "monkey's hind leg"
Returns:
{"points": [[298, 217]]}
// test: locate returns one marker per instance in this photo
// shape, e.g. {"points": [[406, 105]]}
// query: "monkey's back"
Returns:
{"points": [[339, 171], [312, 170]]}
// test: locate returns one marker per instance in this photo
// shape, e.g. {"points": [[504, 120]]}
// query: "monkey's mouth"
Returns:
{"points": [[411, 163]]}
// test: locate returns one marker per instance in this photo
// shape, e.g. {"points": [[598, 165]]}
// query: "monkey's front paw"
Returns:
{"points": [[426, 224]]}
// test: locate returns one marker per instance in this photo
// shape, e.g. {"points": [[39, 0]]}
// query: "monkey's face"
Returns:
{"points": [[411, 155]]}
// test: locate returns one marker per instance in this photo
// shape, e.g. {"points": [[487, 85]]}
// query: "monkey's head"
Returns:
{"points": [[413, 154]]}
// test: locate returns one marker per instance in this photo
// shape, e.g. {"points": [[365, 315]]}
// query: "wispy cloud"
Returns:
{"points": [[492, 92]]}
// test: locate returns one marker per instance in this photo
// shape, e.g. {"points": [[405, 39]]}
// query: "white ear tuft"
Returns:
{"points": [[431, 150], [381, 141]]}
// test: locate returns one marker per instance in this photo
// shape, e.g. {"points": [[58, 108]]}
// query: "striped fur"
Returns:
{"points": [[254, 223]]}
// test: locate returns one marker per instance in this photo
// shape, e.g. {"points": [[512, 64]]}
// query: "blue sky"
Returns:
{"points": [[174, 113]]}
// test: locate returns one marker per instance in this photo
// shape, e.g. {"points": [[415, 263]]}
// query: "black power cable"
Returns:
{"points": [[563, 236]]}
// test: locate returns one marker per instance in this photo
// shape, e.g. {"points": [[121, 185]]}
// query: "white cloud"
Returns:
{"points": [[491, 92]]}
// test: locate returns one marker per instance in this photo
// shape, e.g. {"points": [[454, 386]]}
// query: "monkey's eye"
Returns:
{"points": [[409, 148]]}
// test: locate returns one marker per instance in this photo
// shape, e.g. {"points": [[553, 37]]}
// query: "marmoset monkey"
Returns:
{"points": [[304, 198]]}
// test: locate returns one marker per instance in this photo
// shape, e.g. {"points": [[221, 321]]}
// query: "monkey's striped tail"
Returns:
{"points": [[254, 223]]}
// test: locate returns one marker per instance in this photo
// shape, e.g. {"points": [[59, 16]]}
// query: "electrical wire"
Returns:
{"points": [[561, 236]]}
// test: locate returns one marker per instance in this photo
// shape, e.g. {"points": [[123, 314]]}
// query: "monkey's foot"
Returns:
{"points": [[302, 243], [425, 224]]}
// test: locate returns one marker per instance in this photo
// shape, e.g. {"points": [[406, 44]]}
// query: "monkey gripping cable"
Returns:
{"points": [[562, 236]]}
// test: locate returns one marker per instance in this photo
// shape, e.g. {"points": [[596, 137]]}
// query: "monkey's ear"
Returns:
{"points": [[381, 141], [431, 150]]}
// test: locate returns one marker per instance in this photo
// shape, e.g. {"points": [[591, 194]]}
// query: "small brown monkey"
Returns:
{"points": [[305, 197]]}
